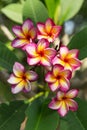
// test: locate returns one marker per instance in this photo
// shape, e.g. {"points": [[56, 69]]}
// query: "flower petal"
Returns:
{"points": [[63, 109], [63, 52], [48, 25], [57, 60], [18, 31], [19, 43], [18, 69], [19, 87], [73, 53], [27, 87], [45, 61], [50, 52], [33, 61], [54, 86], [49, 78], [57, 69], [27, 25], [54, 104], [14, 80], [75, 63], [72, 93], [60, 95], [41, 28], [32, 33], [64, 84], [66, 73], [31, 75], [56, 30], [42, 44], [31, 50], [73, 106]]}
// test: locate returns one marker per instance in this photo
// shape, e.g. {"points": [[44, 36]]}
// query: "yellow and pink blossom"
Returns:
{"points": [[21, 79], [63, 102], [48, 31], [58, 78]]}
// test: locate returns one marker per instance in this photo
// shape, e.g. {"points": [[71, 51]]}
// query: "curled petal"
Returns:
{"points": [[66, 73], [42, 44], [18, 31], [54, 86], [13, 79], [73, 106], [73, 53], [48, 25], [72, 93], [75, 63], [19, 87], [54, 104], [50, 52], [27, 87], [64, 84], [63, 109], [18, 43], [18, 69], [31, 75], [49, 78], [31, 50], [27, 25], [33, 61], [41, 28], [57, 69]]}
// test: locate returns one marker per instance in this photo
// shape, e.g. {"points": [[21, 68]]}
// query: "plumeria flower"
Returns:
{"points": [[64, 102], [48, 31], [40, 53], [20, 79], [25, 34], [58, 78], [67, 58]]}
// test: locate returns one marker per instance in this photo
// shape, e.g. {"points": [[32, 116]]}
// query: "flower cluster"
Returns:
{"points": [[38, 43]]}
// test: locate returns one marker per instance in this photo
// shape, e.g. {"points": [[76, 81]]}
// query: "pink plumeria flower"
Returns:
{"points": [[64, 102], [48, 31], [58, 78], [20, 79], [25, 34], [40, 53], [67, 58]]}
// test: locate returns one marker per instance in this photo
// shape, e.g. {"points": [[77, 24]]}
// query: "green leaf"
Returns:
{"points": [[68, 9], [35, 10], [40, 117], [82, 112], [51, 7], [71, 122], [7, 57], [5, 92], [79, 41], [12, 115], [13, 12]]}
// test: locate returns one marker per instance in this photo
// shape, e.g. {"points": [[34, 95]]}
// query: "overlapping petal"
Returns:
{"points": [[14, 80], [72, 93], [31, 75], [50, 78], [57, 69], [64, 84], [54, 86], [54, 104]]}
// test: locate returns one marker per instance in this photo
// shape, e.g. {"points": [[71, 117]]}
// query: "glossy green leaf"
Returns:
{"points": [[40, 117], [79, 41], [69, 8], [12, 115], [35, 10], [7, 57], [82, 112], [51, 4], [71, 122], [13, 12]]}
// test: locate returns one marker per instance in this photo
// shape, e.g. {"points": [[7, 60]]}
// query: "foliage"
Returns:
{"points": [[35, 109]]}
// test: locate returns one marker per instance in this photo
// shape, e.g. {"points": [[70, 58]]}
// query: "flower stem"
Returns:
{"points": [[34, 97]]}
